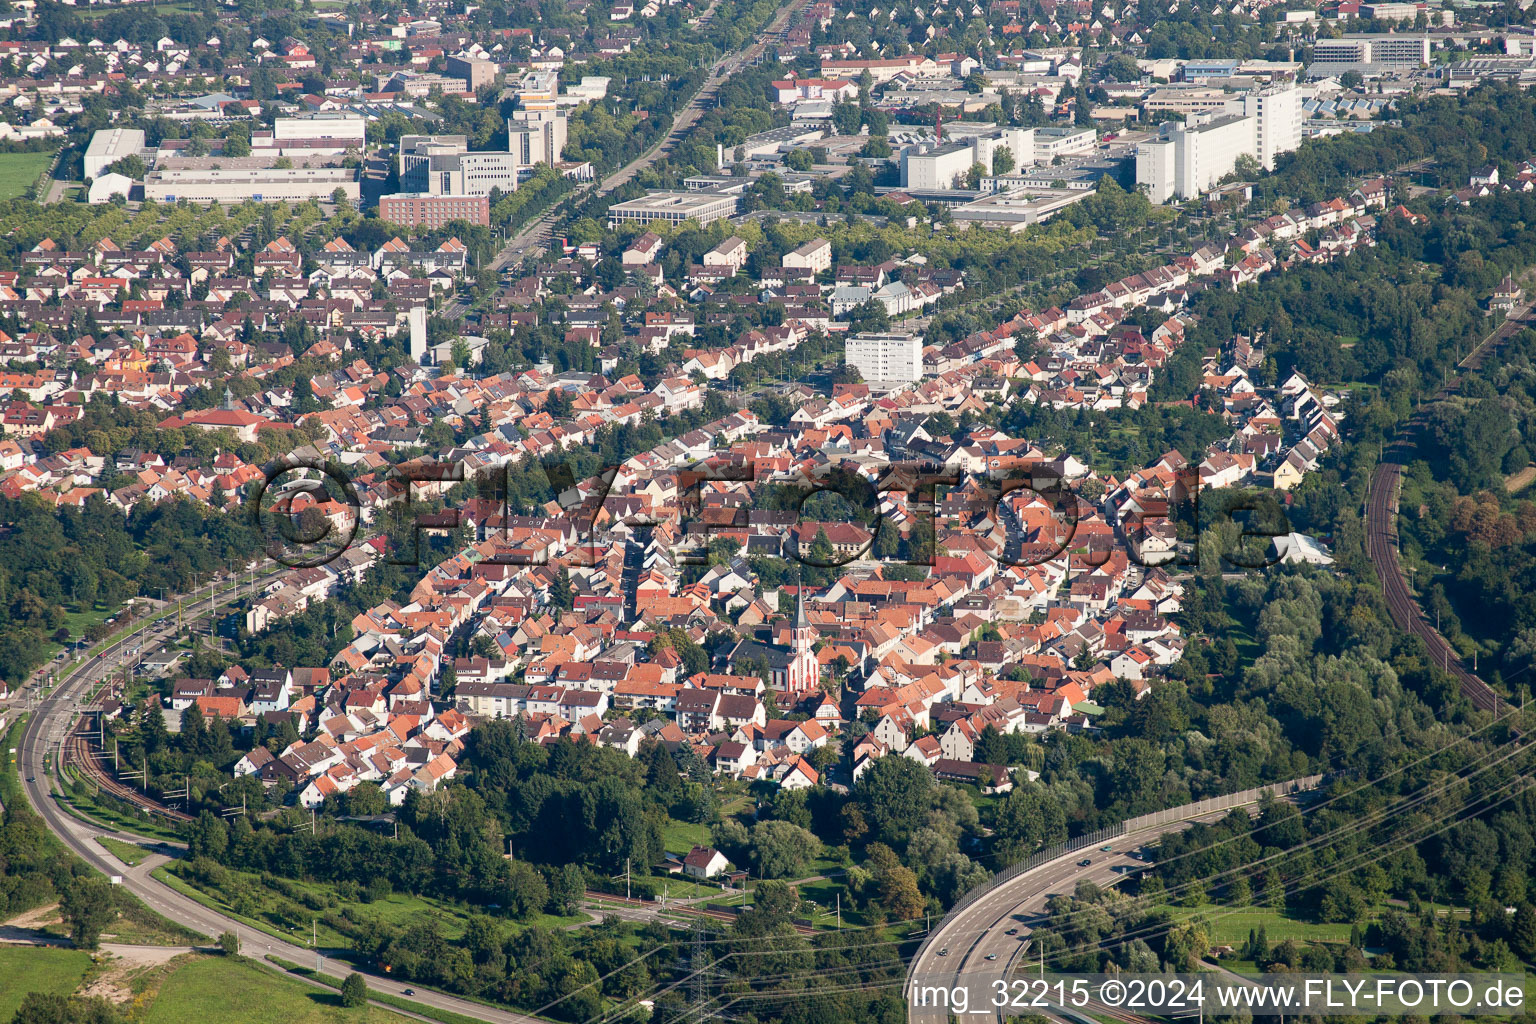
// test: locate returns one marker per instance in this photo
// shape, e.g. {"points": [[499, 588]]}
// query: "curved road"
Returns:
{"points": [[1381, 530], [51, 722], [974, 948]]}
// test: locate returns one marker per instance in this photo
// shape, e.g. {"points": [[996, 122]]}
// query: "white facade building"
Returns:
{"points": [[537, 136], [815, 256], [475, 174], [1190, 158], [886, 358], [1386, 49], [269, 184], [936, 167], [1277, 121], [341, 128], [944, 166], [106, 186], [108, 146]]}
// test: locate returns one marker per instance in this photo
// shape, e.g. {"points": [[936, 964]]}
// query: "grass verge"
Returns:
{"points": [[234, 990], [26, 969], [129, 853], [398, 1002]]}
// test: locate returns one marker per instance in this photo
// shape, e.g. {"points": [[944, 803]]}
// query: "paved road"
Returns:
{"points": [[50, 724], [958, 954], [535, 237]]}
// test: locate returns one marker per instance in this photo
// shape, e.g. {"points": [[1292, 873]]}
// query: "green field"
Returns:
{"points": [[19, 170], [682, 836], [236, 991], [26, 969], [131, 854], [294, 915], [1230, 927], [171, 7], [399, 1002]]}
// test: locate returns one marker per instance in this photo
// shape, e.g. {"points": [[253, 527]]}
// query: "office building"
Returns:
{"points": [[1192, 157], [1017, 208], [1382, 49], [416, 152], [263, 184], [886, 358], [1390, 11], [441, 165], [325, 134], [1204, 70], [675, 207], [937, 167], [1185, 100], [1046, 144], [478, 174], [108, 146], [538, 90], [417, 209], [590, 89], [536, 136], [1187, 159], [929, 167], [350, 129], [1157, 169], [1276, 113], [418, 85], [475, 72]]}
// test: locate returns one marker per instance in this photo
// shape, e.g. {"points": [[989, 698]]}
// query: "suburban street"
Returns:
{"points": [[52, 719], [534, 237]]}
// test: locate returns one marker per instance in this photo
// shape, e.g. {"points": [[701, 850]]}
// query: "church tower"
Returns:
{"points": [[804, 670]]}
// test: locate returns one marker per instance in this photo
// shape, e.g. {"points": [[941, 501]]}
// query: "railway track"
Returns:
{"points": [[684, 909], [1381, 535], [1381, 547], [78, 751]]}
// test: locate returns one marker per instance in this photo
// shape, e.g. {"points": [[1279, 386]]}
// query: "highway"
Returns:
{"points": [[974, 947], [959, 951], [535, 237]]}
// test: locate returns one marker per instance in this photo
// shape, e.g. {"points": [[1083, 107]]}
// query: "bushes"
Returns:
{"points": [[354, 990]]}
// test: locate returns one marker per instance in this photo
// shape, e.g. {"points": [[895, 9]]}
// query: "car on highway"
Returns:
{"points": [[1085, 862], [31, 778], [944, 952], [1107, 849], [1011, 931], [409, 992], [991, 956]]}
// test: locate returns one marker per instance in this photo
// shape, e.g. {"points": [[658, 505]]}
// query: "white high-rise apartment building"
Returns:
{"points": [[1277, 121], [886, 358], [1190, 158], [1193, 157]]}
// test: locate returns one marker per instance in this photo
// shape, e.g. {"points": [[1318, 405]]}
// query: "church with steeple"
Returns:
{"points": [[804, 672], [791, 662]]}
